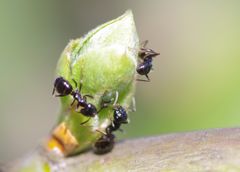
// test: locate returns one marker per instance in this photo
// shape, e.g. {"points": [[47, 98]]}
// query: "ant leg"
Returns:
{"points": [[80, 86], [75, 82], [144, 43], [73, 102], [77, 108], [101, 132], [143, 80], [133, 105], [148, 79], [89, 126], [85, 98], [60, 95], [87, 95], [53, 91], [90, 96], [85, 121]]}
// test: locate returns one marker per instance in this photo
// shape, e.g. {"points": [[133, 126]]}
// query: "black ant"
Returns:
{"points": [[119, 117], [106, 143], [64, 88], [146, 55]]}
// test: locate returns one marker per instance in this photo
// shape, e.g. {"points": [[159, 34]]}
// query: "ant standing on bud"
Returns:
{"points": [[146, 56], [64, 88]]}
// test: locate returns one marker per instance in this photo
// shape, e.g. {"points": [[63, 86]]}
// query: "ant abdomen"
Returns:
{"points": [[144, 68], [105, 144]]}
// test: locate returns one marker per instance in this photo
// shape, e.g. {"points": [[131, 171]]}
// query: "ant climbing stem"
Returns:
{"points": [[146, 55], [106, 142]]}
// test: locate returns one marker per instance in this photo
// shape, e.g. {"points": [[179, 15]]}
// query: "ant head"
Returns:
{"points": [[120, 115], [146, 52]]}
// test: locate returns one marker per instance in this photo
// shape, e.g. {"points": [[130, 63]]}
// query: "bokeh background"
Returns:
{"points": [[195, 83]]}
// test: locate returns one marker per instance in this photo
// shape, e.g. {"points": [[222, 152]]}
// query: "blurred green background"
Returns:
{"points": [[195, 83]]}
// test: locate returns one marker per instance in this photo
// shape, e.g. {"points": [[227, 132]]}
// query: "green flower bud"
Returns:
{"points": [[104, 61]]}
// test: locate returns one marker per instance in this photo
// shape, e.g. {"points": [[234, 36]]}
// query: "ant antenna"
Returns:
{"points": [[144, 43], [53, 91], [133, 105], [75, 82], [116, 98], [80, 86]]}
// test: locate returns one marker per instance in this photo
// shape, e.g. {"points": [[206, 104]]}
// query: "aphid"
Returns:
{"points": [[108, 98], [146, 56], [106, 143], [64, 88]]}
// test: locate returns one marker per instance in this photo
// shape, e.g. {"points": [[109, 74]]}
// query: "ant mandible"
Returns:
{"points": [[64, 88], [146, 55]]}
